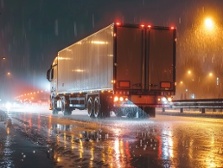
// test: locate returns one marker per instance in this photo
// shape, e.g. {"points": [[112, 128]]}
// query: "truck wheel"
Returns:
{"points": [[65, 107], [90, 107], [105, 105], [54, 106], [97, 107]]}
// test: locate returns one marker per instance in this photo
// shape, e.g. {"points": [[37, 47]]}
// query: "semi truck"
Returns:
{"points": [[122, 69]]}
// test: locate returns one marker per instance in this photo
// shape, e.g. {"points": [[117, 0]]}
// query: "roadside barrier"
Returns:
{"points": [[198, 104]]}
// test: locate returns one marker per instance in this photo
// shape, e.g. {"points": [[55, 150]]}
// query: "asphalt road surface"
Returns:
{"points": [[37, 139]]}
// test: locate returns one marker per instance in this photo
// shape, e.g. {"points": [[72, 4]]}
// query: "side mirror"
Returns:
{"points": [[49, 74]]}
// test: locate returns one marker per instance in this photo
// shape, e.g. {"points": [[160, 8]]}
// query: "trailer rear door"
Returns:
{"points": [[129, 51], [160, 59]]}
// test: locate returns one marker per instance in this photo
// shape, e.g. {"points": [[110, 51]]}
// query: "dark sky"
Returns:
{"points": [[33, 31]]}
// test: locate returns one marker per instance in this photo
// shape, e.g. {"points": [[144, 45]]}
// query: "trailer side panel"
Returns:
{"points": [[88, 64]]}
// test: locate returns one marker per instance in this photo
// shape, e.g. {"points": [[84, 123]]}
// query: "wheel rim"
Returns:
{"points": [[90, 106], [96, 107]]}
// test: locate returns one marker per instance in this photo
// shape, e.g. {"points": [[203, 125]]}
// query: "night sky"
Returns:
{"points": [[33, 31]]}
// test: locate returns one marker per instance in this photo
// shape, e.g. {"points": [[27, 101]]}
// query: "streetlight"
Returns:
{"points": [[189, 72], [209, 23], [210, 74]]}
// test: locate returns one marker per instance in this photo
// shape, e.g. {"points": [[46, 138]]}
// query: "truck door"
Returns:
{"points": [[54, 78], [160, 56], [129, 51]]}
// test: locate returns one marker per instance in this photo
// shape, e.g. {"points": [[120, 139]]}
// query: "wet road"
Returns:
{"points": [[79, 141]]}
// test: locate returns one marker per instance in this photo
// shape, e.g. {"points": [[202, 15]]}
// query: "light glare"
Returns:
{"points": [[209, 23]]}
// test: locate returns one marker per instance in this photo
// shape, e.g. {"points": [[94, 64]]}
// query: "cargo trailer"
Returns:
{"points": [[122, 68]]}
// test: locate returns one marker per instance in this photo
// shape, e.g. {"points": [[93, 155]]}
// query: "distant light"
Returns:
{"points": [[210, 74], [189, 72], [209, 23], [217, 81], [8, 105], [169, 99]]}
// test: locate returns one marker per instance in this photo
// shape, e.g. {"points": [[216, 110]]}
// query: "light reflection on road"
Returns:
{"points": [[161, 142], [166, 144], [7, 160]]}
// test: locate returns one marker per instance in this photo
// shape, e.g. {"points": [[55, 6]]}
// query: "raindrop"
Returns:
{"points": [[34, 151], [56, 28], [75, 29], [93, 20], [140, 142]]}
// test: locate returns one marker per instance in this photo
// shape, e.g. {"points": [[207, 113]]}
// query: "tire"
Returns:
{"points": [[97, 107], [105, 105], [54, 106], [65, 106], [90, 108]]}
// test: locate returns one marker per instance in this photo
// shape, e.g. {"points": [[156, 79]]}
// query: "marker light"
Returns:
{"points": [[121, 99], [142, 25], [118, 23], [149, 26], [115, 98]]}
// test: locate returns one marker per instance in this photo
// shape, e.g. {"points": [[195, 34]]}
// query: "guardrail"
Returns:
{"points": [[201, 104]]}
